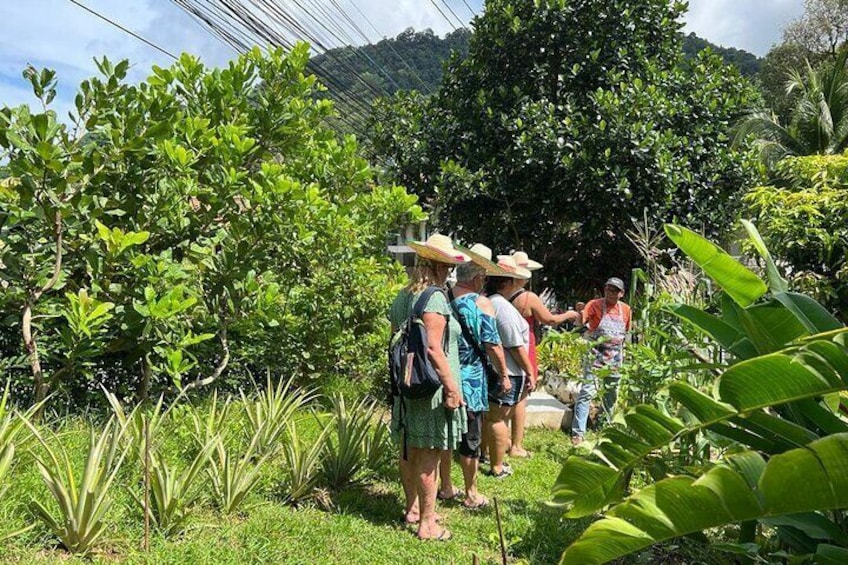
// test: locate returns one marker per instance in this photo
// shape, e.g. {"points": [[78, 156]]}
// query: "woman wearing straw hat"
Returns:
{"points": [[515, 337], [479, 350], [435, 424], [534, 311]]}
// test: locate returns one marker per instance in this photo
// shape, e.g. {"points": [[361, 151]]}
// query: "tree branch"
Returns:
{"points": [[219, 369]]}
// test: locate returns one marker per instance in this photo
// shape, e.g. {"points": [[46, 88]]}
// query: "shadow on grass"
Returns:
{"points": [[378, 505], [547, 535]]}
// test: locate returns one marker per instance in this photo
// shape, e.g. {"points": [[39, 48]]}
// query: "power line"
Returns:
{"points": [[470, 9], [436, 6], [125, 30], [461, 23]]}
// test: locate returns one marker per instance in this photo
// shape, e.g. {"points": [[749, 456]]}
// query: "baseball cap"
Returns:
{"points": [[615, 282]]}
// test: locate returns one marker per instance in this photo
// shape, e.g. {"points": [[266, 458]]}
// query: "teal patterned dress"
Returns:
{"points": [[428, 423]]}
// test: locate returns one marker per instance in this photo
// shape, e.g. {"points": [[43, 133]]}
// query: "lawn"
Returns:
{"points": [[360, 524]]}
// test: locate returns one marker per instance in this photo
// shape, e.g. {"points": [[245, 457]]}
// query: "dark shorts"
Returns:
{"points": [[470, 444], [510, 399]]}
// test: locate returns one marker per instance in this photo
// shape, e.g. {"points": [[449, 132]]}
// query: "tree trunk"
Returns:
{"points": [[142, 391], [41, 387], [32, 351]]}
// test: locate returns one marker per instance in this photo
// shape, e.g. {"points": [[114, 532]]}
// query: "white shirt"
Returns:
{"points": [[513, 329]]}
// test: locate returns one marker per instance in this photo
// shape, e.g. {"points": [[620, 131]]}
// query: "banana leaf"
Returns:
{"points": [[807, 479]]}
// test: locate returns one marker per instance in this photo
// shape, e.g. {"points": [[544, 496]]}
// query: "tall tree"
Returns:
{"points": [[819, 119], [566, 119], [822, 30]]}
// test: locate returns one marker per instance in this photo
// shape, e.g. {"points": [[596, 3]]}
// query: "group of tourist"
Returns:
{"points": [[487, 369]]}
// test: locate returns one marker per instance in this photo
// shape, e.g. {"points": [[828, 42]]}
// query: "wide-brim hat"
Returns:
{"points": [[513, 269], [482, 256], [522, 260], [439, 248]]}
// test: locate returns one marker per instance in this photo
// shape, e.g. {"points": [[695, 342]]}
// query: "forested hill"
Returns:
{"points": [[414, 60], [747, 63]]}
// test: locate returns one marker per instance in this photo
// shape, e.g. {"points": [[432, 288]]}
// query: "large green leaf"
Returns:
{"points": [[736, 280], [776, 281], [808, 479], [800, 373]]}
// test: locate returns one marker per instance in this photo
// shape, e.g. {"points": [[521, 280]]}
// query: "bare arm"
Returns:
{"points": [[523, 359], [543, 315], [435, 326]]}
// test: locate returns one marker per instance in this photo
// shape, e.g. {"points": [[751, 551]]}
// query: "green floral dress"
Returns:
{"points": [[428, 423]]}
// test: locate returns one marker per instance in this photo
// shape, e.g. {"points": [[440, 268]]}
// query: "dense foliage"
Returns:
{"points": [[198, 222], [774, 413], [804, 221], [818, 121], [565, 120]]}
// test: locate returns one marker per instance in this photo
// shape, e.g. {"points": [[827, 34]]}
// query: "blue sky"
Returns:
{"points": [[62, 36]]}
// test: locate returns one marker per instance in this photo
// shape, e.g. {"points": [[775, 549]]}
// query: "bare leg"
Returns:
{"points": [[427, 461], [498, 435], [447, 488], [519, 417], [484, 438], [469, 474], [410, 490]]}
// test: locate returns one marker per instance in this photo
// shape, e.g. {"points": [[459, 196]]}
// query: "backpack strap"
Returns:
{"points": [[418, 312], [466, 332]]}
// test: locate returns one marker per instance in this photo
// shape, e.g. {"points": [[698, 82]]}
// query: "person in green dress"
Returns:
{"points": [[429, 426]]}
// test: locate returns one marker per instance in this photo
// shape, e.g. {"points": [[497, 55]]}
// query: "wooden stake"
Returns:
{"points": [[146, 485], [500, 531]]}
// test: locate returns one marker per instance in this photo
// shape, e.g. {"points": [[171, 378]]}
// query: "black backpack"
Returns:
{"points": [[412, 374]]}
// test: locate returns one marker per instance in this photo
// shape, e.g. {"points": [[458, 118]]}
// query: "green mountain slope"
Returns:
{"points": [[355, 76]]}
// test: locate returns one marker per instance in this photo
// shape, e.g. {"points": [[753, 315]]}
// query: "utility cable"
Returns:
{"points": [[125, 30]]}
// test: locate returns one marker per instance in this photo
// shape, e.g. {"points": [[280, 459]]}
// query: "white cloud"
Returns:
{"points": [[753, 25]]}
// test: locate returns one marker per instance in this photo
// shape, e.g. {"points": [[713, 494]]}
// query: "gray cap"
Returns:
{"points": [[616, 282]]}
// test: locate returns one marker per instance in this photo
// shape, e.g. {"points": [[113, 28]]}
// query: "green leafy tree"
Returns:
{"points": [[200, 222], [819, 119], [823, 29], [565, 120], [804, 221]]}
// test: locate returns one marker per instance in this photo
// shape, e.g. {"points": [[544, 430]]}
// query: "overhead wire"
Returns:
{"points": [[470, 9], [436, 6], [244, 23], [255, 26], [389, 43], [457, 18], [125, 30]]}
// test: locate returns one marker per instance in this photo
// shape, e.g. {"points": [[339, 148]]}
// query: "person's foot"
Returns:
{"points": [[519, 452], [414, 518], [505, 472], [477, 503], [444, 535], [576, 440], [450, 495]]}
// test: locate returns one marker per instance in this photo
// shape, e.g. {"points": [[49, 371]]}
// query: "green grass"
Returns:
{"points": [[360, 524]]}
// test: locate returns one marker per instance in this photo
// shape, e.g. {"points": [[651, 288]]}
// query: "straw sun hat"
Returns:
{"points": [[522, 260], [439, 248], [482, 256], [512, 268]]}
